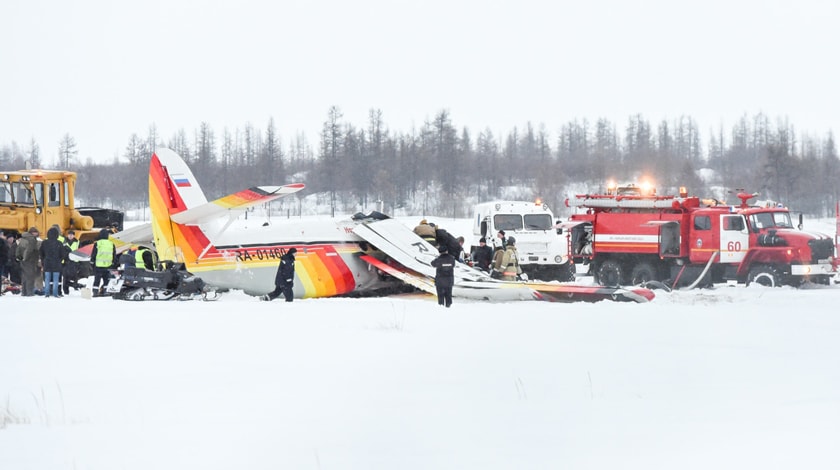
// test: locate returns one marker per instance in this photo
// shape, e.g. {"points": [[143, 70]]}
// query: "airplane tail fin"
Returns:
{"points": [[174, 189]]}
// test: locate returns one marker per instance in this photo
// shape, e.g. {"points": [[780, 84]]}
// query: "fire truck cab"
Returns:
{"points": [[681, 240]]}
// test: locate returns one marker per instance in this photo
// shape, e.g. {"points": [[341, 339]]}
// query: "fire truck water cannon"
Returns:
{"points": [[631, 237]]}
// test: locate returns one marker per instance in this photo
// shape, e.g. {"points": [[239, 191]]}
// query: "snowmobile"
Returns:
{"points": [[173, 281]]}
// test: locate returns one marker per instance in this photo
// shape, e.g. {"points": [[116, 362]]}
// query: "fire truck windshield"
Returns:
{"points": [[771, 220]]}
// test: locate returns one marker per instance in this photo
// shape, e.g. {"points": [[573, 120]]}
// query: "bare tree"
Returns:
{"points": [[331, 153], [66, 151], [33, 155]]}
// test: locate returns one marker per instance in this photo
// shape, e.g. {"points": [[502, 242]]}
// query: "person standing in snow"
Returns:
{"points": [[53, 253], [103, 255], [27, 255], [444, 276], [13, 271], [483, 255], [4, 254], [72, 269], [510, 262], [460, 254], [285, 278], [501, 236]]}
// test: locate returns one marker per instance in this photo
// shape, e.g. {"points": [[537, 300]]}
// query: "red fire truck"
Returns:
{"points": [[630, 236]]}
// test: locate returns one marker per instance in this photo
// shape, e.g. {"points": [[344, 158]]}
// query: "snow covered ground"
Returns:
{"points": [[730, 377]]}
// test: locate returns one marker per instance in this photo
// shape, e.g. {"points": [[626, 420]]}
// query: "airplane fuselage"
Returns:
{"points": [[326, 264]]}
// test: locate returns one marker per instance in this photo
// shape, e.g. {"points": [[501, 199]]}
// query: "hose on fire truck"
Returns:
{"points": [[702, 275]]}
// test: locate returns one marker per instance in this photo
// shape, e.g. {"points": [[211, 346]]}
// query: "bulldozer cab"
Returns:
{"points": [[41, 199]]}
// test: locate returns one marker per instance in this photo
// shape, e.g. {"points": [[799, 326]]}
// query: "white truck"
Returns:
{"points": [[543, 252]]}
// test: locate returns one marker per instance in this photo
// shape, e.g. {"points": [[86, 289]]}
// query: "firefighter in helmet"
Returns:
{"points": [[510, 261]]}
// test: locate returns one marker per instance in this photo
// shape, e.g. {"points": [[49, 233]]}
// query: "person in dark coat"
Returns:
{"points": [[13, 271], [72, 269], [4, 254], [501, 237], [483, 255], [53, 253], [285, 278], [27, 255], [444, 276], [446, 239], [128, 259]]}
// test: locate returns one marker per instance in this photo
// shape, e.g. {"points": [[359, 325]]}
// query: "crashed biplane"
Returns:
{"points": [[358, 256]]}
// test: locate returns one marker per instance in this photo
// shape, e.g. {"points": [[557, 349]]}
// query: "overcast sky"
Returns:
{"points": [[102, 70]]}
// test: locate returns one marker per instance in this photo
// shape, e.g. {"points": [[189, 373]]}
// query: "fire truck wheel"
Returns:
{"points": [[642, 273], [610, 273], [765, 276]]}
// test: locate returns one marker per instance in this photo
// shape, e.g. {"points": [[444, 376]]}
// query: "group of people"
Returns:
{"points": [[503, 263], [40, 266], [44, 267], [440, 238]]}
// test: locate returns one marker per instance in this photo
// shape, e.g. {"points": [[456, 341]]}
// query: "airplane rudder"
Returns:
{"points": [[179, 181]]}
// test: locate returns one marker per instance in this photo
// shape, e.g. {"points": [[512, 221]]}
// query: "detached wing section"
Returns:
{"points": [[415, 256], [236, 203], [404, 246]]}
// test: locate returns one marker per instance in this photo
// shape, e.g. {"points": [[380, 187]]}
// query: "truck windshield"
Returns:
{"points": [[771, 220], [22, 194], [507, 221], [538, 222]]}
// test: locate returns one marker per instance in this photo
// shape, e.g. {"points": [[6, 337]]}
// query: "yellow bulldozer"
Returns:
{"points": [[42, 198]]}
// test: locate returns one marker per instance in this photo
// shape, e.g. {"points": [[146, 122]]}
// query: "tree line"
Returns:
{"points": [[443, 169]]}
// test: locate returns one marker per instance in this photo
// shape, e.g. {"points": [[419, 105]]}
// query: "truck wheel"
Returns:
{"points": [[609, 273], [642, 273], [765, 276]]}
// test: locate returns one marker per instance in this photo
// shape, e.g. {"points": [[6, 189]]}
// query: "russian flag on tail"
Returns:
{"points": [[182, 182]]}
